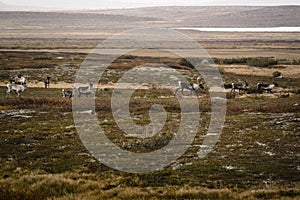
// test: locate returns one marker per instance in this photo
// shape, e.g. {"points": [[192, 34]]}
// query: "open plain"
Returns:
{"points": [[256, 157]]}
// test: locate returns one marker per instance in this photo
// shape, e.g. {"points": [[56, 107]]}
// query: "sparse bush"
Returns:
{"points": [[189, 62], [184, 62], [284, 62], [261, 62], [235, 61], [217, 61], [297, 91], [131, 57], [222, 70], [276, 74], [296, 62], [230, 95], [42, 58], [256, 62]]}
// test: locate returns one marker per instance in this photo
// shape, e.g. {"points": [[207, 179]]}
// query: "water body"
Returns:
{"points": [[262, 29]]}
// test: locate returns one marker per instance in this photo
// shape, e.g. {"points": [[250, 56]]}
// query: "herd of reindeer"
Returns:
{"points": [[18, 84], [233, 86]]}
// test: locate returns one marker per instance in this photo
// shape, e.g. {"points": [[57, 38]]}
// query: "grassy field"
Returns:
{"points": [[42, 156], [257, 156]]}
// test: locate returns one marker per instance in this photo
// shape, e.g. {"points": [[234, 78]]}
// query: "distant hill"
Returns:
{"points": [[176, 13], [106, 22], [62, 20], [9, 7], [219, 16], [259, 17], [176, 16]]}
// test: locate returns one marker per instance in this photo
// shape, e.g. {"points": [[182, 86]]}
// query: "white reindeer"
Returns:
{"points": [[183, 86], [191, 87], [18, 79], [239, 87], [266, 87], [15, 87], [85, 90]]}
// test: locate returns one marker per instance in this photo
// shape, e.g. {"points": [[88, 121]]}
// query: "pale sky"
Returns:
{"points": [[96, 4]]}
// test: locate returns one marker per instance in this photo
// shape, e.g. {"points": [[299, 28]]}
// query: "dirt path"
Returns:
{"points": [[61, 85]]}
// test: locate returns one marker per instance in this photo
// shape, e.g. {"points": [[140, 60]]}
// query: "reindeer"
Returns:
{"points": [[191, 87], [239, 87], [18, 79], [85, 90], [266, 87], [68, 93], [47, 81], [183, 86], [15, 87], [199, 85]]}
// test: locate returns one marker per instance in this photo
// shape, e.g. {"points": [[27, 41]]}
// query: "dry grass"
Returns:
{"points": [[63, 187]]}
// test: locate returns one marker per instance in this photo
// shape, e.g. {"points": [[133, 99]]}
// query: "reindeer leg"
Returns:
{"points": [[233, 90], [182, 91], [18, 96], [192, 91], [176, 91]]}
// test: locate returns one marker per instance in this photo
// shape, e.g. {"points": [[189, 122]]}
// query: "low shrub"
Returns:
{"points": [[186, 63], [131, 57], [235, 61], [256, 62], [276, 74], [297, 91], [261, 62], [296, 62], [42, 58], [230, 95]]}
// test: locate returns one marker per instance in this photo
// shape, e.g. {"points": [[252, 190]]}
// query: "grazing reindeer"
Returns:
{"points": [[15, 87], [199, 85], [183, 86], [239, 87], [68, 93], [47, 81], [18, 79], [266, 87], [191, 87], [86, 90]]}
